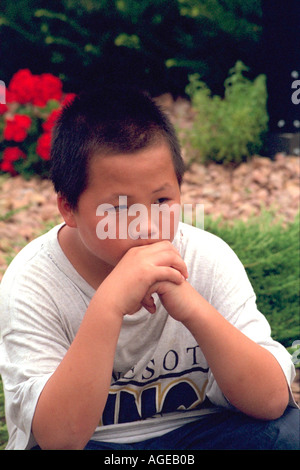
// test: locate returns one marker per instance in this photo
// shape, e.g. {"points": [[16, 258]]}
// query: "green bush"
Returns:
{"points": [[270, 254], [229, 130], [153, 44]]}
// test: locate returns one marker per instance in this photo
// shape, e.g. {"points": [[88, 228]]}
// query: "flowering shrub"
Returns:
{"points": [[33, 103]]}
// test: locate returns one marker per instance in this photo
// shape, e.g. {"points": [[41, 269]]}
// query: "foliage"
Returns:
{"points": [[33, 104], [154, 44], [270, 253], [229, 129]]}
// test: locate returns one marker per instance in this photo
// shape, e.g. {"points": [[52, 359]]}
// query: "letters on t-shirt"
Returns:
{"points": [[162, 387]]}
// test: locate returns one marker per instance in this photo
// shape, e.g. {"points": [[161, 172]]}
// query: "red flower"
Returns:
{"points": [[43, 146], [26, 88], [69, 97], [22, 87], [3, 108], [17, 127], [47, 87], [51, 120], [10, 155]]}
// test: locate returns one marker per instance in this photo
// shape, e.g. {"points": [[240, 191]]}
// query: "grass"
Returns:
{"points": [[271, 256]]}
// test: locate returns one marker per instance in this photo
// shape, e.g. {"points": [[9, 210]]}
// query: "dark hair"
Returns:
{"points": [[106, 121]]}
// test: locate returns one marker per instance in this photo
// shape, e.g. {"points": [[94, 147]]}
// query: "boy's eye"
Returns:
{"points": [[116, 208], [161, 200], [124, 207], [120, 208]]}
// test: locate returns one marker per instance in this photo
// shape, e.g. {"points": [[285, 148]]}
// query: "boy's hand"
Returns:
{"points": [[138, 271], [180, 300]]}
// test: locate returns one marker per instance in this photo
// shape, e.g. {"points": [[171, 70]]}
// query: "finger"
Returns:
{"points": [[149, 304], [160, 288], [170, 274], [173, 260], [163, 253]]}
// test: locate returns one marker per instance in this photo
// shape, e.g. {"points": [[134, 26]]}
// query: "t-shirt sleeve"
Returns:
{"points": [[33, 342], [233, 296]]}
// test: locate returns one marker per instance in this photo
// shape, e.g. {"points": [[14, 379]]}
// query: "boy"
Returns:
{"points": [[134, 342]]}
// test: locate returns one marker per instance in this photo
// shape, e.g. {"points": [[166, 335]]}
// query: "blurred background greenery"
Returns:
{"points": [[154, 44], [157, 44]]}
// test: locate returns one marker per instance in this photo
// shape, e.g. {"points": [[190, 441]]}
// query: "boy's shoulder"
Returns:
{"points": [[207, 252], [199, 240]]}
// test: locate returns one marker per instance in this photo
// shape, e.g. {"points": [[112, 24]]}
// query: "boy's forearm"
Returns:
{"points": [[248, 375], [72, 402]]}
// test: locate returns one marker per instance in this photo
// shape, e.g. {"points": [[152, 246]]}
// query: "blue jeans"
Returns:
{"points": [[222, 431]]}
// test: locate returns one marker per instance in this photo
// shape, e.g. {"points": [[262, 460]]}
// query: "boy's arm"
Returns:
{"points": [[69, 407], [72, 401], [248, 375]]}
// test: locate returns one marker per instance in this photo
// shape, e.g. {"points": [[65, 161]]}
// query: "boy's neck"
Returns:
{"points": [[90, 268]]}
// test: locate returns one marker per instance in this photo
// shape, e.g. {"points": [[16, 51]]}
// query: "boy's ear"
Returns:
{"points": [[66, 211]]}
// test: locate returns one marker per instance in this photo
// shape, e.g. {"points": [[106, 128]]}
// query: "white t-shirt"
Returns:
{"points": [[161, 379]]}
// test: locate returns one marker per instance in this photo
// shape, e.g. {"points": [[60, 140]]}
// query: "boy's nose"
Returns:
{"points": [[155, 223], [146, 230]]}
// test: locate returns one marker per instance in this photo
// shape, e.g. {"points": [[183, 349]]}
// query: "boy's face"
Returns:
{"points": [[146, 178]]}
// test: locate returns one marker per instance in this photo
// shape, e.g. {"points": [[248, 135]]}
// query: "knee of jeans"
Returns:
{"points": [[287, 428]]}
